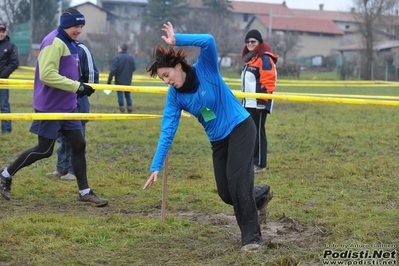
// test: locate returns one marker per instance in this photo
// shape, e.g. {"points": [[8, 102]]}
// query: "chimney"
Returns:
{"points": [[321, 7], [284, 3], [353, 10]]}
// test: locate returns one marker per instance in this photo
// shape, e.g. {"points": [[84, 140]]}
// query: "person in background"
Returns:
{"points": [[122, 67], [200, 90], [258, 76], [55, 90], [88, 73], [9, 62]]}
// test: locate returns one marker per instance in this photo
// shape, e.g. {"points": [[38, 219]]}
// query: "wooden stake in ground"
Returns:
{"points": [[164, 189]]}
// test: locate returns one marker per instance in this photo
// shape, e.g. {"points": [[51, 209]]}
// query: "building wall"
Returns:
{"points": [[241, 20], [318, 45], [346, 26], [256, 24], [130, 15], [96, 20], [350, 38], [310, 45], [129, 18]]}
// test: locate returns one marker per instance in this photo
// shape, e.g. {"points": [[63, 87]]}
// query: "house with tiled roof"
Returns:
{"points": [[130, 15], [98, 19], [317, 36], [321, 32], [390, 46], [347, 21]]}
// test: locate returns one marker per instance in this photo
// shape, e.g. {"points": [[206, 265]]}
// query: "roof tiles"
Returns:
{"points": [[301, 24]]}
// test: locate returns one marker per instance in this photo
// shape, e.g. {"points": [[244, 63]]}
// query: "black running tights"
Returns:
{"points": [[45, 148]]}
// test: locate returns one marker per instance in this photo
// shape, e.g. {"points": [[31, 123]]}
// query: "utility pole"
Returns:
{"points": [[31, 27], [270, 23], [59, 11]]}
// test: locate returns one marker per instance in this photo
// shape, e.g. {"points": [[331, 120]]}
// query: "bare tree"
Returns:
{"points": [[159, 12], [369, 19], [19, 11], [228, 39], [285, 45], [9, 8], [149, 38], [215, 19], [103, 47]]}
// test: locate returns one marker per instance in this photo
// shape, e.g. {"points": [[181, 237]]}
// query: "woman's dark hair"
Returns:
{"points": [[163, 57]]}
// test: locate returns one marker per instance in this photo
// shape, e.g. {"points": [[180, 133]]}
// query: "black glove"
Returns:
{"points": [[260, 105], [83, 90]]}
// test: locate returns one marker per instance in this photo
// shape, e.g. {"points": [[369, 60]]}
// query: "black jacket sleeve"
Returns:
{"points": [[13, 62]]}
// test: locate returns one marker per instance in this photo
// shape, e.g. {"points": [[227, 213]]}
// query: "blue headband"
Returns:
{"points": [[67, 20]]}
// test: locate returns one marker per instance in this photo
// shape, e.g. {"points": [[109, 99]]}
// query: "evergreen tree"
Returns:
{"points": [[216, 20], [161, 11], [44, 18], [158, 13], [22, 12], [218, 7], [45, 14]]}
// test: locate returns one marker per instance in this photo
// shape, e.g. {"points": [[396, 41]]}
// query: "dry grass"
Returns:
{"points": [[333, 167]]}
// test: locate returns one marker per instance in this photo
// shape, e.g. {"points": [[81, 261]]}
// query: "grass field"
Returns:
{"points": [[333, 168]]}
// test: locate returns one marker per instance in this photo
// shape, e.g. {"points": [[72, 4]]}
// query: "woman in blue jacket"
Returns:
{"points": [[200, 90]]}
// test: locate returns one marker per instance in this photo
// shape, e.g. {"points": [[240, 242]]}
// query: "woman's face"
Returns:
{"points": [[251, 43], [174, 76]]}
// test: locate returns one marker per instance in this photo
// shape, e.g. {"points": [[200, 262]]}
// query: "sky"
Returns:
{"points": [[330, 5]]}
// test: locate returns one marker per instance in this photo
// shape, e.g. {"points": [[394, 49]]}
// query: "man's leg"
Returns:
{"points": [[129, 102], [44, 149], [5, 107], [65, 163], [121, 101], [63, 154], [71, 174], [78, 159]]}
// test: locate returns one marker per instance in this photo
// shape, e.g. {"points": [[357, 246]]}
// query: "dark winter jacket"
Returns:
{"points": [[122, 67], [88, 73], [9, 60], [259, 76]]}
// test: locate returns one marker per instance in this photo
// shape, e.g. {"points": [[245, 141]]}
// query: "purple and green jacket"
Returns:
{"points": [[56, 75]]}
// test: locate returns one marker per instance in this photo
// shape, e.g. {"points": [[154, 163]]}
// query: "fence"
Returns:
{"points": [[21, 37]]}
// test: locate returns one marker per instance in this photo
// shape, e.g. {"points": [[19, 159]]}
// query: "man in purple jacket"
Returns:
{"points": [[56, 88]]}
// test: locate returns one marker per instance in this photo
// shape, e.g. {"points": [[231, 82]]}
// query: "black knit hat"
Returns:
{"points": [[254, 34], [71, 17]]}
